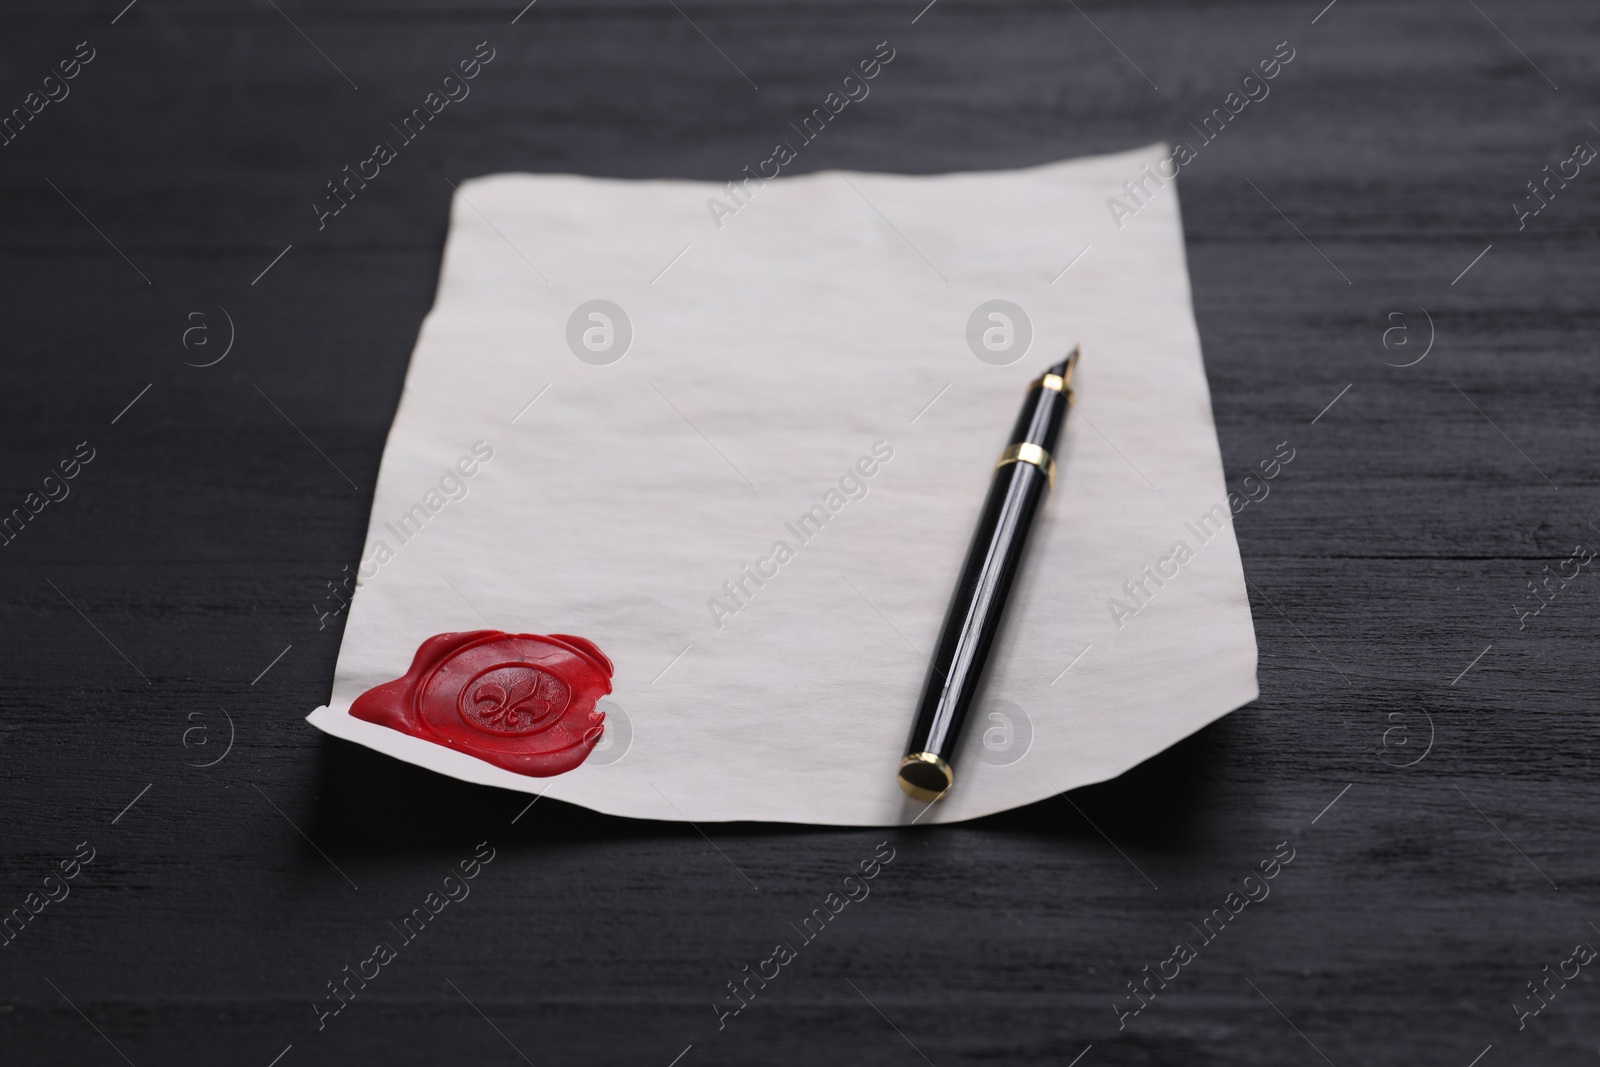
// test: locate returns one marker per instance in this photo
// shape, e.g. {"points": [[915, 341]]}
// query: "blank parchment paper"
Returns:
{"points": [[822, 329]]}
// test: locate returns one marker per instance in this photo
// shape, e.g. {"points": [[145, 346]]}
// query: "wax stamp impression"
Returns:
{"points": [[519, 701]]}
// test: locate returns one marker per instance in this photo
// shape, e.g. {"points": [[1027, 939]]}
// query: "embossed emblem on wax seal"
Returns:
{"points": [[522, 702]]}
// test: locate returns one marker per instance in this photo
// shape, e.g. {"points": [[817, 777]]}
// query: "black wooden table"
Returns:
{"points": [[1423, 748]]}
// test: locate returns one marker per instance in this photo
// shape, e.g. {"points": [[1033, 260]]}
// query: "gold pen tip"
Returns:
{"points": [[925, 776], [1064, 368]]}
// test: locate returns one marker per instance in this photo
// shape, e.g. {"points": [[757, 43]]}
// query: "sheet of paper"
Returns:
{"points": [[822, 325]]}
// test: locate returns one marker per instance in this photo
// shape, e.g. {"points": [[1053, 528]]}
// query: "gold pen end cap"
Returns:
{"points": [[925, 776]]}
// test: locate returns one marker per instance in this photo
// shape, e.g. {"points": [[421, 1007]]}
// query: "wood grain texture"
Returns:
{"points": [[1387, 556]]}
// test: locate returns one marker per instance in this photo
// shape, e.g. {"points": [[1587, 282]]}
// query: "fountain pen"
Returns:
{"points": [[1022, 477]]}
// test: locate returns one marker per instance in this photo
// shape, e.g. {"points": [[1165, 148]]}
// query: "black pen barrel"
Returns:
{"points": [[1018, 487]]}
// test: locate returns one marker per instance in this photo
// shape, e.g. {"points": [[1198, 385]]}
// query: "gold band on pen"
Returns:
{"points": [[927, 772], [1052, 381], [1028, 452], [1061, 383]]}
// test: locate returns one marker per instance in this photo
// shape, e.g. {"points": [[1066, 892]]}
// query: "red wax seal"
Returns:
{"points": [[519, 701]]}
